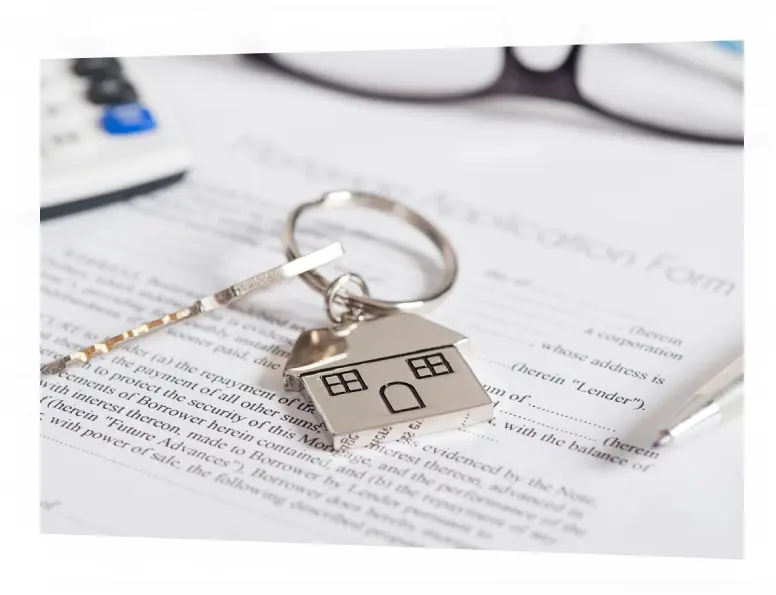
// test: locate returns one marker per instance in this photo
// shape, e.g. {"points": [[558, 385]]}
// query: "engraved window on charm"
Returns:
{"points": [[343, 383], [428, 366]]}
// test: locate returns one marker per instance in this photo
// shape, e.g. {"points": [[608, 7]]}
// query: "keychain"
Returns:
{"points": [[381, 372], [219, 299]]}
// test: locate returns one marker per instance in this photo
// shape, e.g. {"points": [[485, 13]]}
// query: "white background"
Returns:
{"points": [[52, 564]]}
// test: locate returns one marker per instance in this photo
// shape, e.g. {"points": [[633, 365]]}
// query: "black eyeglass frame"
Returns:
{"points": [[516, 79]]}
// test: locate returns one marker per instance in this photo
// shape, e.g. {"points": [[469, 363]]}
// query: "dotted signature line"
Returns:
{"points": [[590, 423], [551, 427]]}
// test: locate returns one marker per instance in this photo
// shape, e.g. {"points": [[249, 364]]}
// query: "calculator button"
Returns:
{"points": [[56, 116], [64, 138], [70, 114], [129, 118], [68, 142], [70, 93], [111, 90], [53, 109], [96, 66]]}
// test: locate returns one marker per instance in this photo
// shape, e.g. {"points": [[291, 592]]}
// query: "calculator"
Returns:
{"points": [[102, 139]]}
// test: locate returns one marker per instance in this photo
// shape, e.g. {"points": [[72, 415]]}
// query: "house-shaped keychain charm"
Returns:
{"points": [[385, 379]]}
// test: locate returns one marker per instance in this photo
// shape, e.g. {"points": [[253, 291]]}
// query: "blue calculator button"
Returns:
{"points": [[737, 47], [127, 118]]}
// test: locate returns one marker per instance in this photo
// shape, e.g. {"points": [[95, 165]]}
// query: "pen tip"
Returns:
{"points": [[663, 439]]}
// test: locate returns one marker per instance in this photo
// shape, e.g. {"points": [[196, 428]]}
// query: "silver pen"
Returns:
{"points": [[720, 399]]}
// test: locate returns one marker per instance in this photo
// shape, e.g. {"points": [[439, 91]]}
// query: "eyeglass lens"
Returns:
{"points": [[630, 80]]}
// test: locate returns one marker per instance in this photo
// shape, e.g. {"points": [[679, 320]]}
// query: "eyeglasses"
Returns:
{"points": [[624, 83]]}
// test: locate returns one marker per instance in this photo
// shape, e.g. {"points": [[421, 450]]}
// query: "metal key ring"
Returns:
{"points": [[366, 303], [332, 292]]}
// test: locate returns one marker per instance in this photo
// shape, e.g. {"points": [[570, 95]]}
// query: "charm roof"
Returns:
{"points": [[388, 336]]}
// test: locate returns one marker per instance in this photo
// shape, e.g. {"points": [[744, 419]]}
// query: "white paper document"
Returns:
{"points": [[600, 283]]}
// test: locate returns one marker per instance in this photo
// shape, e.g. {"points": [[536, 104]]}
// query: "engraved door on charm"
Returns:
{"points": [[400, 396], [399, 382]]}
